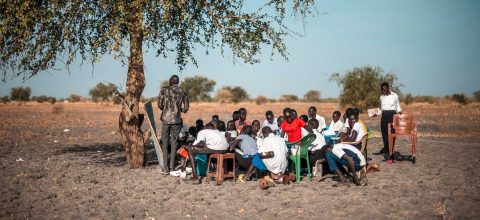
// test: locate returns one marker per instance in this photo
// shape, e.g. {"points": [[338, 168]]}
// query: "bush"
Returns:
{"points": [[20, 94], [476, 96], [102, 92], [459, 98], [429, 99], [198, 88], [223, 96], [408, 99], [312, 96], [360, 87], [74, 98], [260, 100], [5, 99], [289, 98]]}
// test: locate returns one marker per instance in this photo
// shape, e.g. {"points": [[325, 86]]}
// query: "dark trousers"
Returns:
{"points": [[387, 117], [170, 136]]}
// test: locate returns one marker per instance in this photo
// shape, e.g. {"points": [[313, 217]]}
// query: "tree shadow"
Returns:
{"points": [[108, 154]]}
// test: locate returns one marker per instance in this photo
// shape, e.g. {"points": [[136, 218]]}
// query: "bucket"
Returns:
{"points": [[182, 152]]}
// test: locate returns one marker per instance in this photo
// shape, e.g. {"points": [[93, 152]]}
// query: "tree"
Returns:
{"points": [[39, 35], [476, 95], [74, 98], [312, 96], [198, 88], [102, 92], [238, 93], [20, 94], [5, 99], [288, 98], [223, 96], [260, 100], [361, 86]]}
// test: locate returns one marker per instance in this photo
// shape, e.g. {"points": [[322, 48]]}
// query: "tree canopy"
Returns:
{"points": [[102, 92], [20, 94], [361, 86], [198, 88], [312, 96]]}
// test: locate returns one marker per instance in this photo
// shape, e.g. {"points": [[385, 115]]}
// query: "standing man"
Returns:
{"points": [[172, 101], [390, 105]]}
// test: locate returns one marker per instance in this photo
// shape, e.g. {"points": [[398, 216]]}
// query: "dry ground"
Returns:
{"points": [[48, 172]]}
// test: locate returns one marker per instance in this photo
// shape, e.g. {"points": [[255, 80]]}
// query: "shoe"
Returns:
{"points": [[183, 175], [188, 169], [176, 173], [241, 178]]}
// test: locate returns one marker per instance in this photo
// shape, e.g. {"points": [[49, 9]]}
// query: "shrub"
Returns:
{"points": [[20, 94], [198, 88], [223, 96], [476, 96], [459, 98], [408, 99], [312, 96], [289, 98], [102, 92], [260, 100], [361, 86], [74, 98], [5, 99]]}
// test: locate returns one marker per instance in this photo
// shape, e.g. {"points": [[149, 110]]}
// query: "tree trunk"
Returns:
{"points": [[130, 121]]}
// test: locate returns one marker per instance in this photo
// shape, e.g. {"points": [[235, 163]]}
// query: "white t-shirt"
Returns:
{"points": [[273, 126], [304, 132], [213, 138], [336, 126], [360, 132], [278, 163], [337, 150], [319, 142]]}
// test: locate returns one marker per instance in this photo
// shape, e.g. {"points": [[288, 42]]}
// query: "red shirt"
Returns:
{"points": [[294, 129]]}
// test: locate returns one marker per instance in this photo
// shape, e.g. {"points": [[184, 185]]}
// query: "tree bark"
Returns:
{"points": [[130, 121]]}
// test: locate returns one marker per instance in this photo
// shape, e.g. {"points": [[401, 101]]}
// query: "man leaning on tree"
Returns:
{"points": [[172, 101]]}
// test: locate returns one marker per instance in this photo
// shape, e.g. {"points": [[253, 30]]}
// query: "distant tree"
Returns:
{"points": [[238, 94], [102, 92], [198, 88], [459, 98], [288, 98], [74, 98], [260, 100], [40, 99], [360, 87], [312, 96], [476, 96], [5, 99], [408, 99], [20, 94], [223, 95]]}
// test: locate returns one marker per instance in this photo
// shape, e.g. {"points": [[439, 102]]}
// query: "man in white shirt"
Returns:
{"points": [[390, 105], [270, 121], [356, 134], [209, 141], [312, 113], [336, 124], [348, 156], [315, 150], [273, 152]]}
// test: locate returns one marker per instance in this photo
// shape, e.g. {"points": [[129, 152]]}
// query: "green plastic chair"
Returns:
{"points": [[302, 153]]}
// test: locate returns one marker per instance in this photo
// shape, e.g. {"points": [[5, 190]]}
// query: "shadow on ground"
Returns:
{"points": [[108, 154]]}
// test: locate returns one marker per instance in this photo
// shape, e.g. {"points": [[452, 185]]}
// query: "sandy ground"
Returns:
{"points": [[48, 172]]}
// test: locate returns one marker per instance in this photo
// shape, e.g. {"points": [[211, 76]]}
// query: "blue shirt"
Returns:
{"points": [[247, 144]]}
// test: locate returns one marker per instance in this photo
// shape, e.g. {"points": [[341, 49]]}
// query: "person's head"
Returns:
{"points": [[312, 112], [351, 120], [336, 116], [288, 116], [242, 114], [295, 114], [192, 131], [215, 118], [356, 112], [230, 125], [385, 88], [235, 115], [221, 126], [313, 123], [247, 129], [285, 110], [199, 122], [269, 115], [280, 120], [210, 126], [348, 112], [304, 118], [174, 80], [256, 125], [266, 131]]}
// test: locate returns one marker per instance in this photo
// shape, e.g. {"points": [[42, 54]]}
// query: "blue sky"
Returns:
{"points": [[433, 46]]}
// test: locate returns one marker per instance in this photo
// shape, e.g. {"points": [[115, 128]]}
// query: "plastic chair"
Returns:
{"points": [[403, 125], [221, 167], [301, 153]]}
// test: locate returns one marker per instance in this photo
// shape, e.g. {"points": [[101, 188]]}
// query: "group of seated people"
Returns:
{"points": [[263, 148]]}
